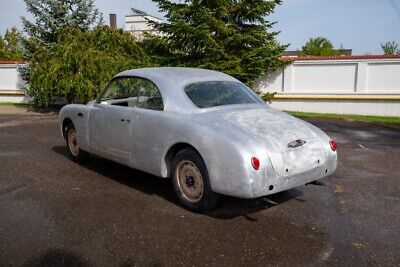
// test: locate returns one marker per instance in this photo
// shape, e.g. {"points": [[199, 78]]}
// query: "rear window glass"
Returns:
{"points": [[219, 93]]}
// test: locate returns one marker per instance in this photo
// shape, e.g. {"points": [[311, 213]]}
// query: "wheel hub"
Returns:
{"points": [[189, 181]]}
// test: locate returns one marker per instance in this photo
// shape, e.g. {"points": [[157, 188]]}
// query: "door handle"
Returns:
{"points": [[125, 120], [80, 114]]}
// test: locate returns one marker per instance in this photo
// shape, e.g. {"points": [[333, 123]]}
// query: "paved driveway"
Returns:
{"points": [[53, 211]]}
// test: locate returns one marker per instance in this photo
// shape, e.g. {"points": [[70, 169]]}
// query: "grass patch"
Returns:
{"points": [[388, 121]]}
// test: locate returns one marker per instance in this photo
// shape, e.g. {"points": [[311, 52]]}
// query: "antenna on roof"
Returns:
{"points": [[138, 12]]}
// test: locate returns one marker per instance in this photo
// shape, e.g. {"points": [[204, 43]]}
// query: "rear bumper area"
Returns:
{"points": [[272, 183], [280, 184], [263, 182]]}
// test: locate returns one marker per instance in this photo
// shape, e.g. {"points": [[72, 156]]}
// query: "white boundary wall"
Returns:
{"points": [[11, 84], [365, 85], [350, 85]]}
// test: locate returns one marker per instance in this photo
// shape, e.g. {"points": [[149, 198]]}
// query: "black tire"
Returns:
{"points": [[208, 199], [79, 155]]}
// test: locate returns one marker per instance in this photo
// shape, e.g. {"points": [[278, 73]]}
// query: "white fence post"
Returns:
{"points": [[287, 79], [361, 77]]}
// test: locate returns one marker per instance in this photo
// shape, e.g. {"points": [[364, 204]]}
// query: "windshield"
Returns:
{"points": [[219, 93]]}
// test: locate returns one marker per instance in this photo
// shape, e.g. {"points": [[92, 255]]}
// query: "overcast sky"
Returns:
{"points": [[357, 24]]}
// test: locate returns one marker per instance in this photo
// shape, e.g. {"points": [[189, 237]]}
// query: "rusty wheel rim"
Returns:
{"points": [[190, 181], [72, 144]]}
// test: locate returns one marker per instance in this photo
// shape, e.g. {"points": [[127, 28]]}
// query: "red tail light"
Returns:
{"points": [[255, 162], [333, 145]]}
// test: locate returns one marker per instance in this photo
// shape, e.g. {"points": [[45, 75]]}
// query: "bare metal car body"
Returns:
{"points": [[291, 152]]}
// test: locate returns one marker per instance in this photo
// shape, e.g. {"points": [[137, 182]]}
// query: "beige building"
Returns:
{"points": [[138, 23]]}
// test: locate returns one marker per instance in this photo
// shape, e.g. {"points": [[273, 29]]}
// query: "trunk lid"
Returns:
{"points": [[292, 146]]}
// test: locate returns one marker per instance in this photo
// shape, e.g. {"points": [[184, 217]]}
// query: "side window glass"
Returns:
{"points": [[122, 92], [149, 96]]}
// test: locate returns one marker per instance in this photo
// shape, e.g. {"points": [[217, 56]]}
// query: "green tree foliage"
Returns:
{"points": [[51, 16], [390, 48], [2, 50], [43, 48], [80, 63], [225, 35], [319, 46], [11, 45]]}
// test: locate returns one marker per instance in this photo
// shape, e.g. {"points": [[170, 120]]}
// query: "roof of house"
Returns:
{"points": [[137, 12], [140, 13]]}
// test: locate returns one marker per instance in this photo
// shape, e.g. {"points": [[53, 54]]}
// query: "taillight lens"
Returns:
{"points": [[333, 145], [255, 162]]}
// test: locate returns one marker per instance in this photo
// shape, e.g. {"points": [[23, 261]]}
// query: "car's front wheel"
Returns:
{"points": [[75, 152], [191, 182]]}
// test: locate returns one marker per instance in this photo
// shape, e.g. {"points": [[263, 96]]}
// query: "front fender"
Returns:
{"points": [[79, 115]]}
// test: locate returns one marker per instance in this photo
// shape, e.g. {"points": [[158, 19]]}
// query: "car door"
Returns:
{"points": [[148, 131], [110, 121]]}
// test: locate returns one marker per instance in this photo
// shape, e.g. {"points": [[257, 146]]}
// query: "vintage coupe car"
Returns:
{"points": [[206, 130]]}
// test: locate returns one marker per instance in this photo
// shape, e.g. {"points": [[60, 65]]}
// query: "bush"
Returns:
{"points": [[11, 45], [319, 46], [267, 97], [79, 64]]}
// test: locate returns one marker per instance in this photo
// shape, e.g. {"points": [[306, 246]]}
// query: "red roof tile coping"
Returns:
{"points": [[284, 58], [5, 62], [287, 58]]}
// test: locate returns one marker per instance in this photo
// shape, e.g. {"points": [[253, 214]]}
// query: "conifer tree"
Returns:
{"points": [[51, 16], [225, 35]]}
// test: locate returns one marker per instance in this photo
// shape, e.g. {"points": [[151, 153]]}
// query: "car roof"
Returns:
{"points": [[177, 76], [171, 82]]}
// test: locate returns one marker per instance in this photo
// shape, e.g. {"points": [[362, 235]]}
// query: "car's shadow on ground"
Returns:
{"points": [[227, 208], [56, 257]]}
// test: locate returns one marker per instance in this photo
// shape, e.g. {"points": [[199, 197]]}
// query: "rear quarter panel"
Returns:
{"points": [[225, 149]]}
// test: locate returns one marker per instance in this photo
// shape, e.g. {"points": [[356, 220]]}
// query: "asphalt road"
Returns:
{"points": [[54, 212]]}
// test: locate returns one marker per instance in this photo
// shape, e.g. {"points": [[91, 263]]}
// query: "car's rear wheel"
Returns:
{"points": [[75, 152], [191, 182]]}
